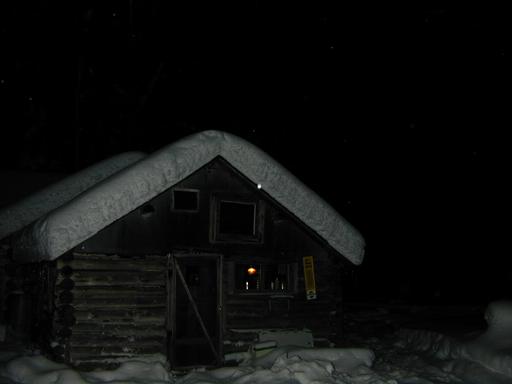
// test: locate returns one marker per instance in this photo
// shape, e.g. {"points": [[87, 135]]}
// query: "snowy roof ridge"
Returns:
{"points": [[111, 199], [20, 214]]}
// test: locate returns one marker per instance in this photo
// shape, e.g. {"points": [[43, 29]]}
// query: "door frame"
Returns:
{"points": [[173, 275]]}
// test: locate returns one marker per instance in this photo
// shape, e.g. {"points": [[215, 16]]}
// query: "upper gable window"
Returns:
{"points": [[236, 220], [185, 200]]}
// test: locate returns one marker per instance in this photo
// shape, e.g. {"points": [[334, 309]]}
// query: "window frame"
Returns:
{"points": [[292, 270], [215, 212], [191, 190]]}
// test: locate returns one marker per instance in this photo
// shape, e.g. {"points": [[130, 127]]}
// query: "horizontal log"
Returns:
{"points": [[116, 296], [127, 305], [156, 329], [87, 353], [99, 340], [245, 315], [263, 311], [101, 256], [87, 362], [117, 285], [102, 291], [117, 303], [106, 315], [133, 265], [125, 347], [247, 301], [115, 277]]}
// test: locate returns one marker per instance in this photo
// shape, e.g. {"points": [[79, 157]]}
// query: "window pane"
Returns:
{"points": [[185, 200], [276, 277], [236, 218], [247, 277]]}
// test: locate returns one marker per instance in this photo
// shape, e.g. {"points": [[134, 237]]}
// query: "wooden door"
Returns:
{"points": [[195, 310]]}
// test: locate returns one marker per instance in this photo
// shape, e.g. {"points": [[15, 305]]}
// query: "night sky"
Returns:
{"points": [[397, 116]]}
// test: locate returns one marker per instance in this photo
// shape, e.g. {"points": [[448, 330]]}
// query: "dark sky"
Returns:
{"points": [[397, 116]]}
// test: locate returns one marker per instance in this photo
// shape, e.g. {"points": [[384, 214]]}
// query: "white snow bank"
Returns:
{"points": [[297, 365], [40, 370], [82, 217], [285, 365], [492, 349], [344, 359], [18, 215], [434, 343]]}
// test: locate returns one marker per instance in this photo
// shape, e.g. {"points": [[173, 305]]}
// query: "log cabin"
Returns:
{"points": [[189, 252]]}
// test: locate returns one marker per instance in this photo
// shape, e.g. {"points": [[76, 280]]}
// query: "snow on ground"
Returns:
{"points": [[39, 370], [491, 349], [407, 356], [283, 365]]}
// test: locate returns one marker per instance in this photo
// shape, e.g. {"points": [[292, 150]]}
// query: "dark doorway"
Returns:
{"points": [[195, 304]]}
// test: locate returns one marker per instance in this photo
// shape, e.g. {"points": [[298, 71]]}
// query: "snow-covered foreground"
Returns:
{"points": [[283, 365], [389, 364], [404, 357]]}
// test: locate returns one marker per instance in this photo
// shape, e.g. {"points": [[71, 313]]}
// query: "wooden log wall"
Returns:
{"points": [[322, 315], [110, 306]]}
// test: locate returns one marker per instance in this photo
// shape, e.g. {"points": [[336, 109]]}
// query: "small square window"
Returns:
{"points": [[185, 200]]}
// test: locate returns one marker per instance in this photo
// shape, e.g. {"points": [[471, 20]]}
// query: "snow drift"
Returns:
{"points": [[492, 349], [40, 370], [283, 365]]}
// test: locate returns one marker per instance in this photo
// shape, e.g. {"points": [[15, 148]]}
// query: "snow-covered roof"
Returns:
{"points": [[20, 214], [79, 219]]}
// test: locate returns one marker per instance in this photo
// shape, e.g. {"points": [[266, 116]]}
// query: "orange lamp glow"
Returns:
{"points": [[251, 271]]}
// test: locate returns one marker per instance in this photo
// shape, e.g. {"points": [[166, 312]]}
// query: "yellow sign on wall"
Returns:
{"points": [[309, 277]]}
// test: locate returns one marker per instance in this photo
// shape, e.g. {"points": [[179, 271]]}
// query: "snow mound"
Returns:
{"points": [[499, 317], [298, 366], [40, 370], [284, 365], [432, 343], [492, 349], [16, 216]]}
